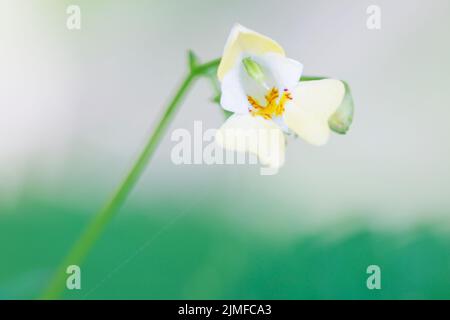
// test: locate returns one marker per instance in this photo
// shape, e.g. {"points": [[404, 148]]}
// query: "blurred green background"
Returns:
{"points": [[76, 106]]}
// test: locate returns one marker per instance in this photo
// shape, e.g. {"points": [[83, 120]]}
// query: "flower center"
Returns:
{"points": [[274, 104]]}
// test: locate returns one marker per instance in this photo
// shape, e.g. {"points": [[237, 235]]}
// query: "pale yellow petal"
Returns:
{"points": [[314, 102], [243, 40], [246, 133]]}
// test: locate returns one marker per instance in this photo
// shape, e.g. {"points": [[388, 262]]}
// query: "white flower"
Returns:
{"points": [[262, 87]]}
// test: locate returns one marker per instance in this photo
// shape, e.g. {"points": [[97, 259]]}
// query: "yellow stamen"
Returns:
{"points": [[274, 106]]}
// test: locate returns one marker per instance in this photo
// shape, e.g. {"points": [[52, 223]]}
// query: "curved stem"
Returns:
{"points": [[99, 221]]}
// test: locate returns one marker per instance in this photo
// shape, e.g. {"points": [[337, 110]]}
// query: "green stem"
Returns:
{"points": [[311, 78], [80, 250]]}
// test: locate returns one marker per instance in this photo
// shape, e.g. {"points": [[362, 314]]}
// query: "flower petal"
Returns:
{"points": [[314, 102], [286, 73], [242, 40], [237, 85], [233, 97], [246, 133]]}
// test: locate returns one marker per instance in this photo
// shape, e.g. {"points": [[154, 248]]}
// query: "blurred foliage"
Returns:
{"points": [[189, 257]]}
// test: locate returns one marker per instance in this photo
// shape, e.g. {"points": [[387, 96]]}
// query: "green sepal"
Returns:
{"points": [[342, 119]]}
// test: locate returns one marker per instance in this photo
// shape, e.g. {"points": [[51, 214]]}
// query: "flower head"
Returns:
{"points": [[262, 87]]}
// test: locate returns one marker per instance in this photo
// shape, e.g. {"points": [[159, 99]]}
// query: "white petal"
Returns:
{"points": [[233, 97], [285, 72], [313, 104], [237, 85], [245, 40], [246, 133]]}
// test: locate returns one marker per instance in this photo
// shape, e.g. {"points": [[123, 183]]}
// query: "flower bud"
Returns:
{"points": [[254, 70], [342, 119]]}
